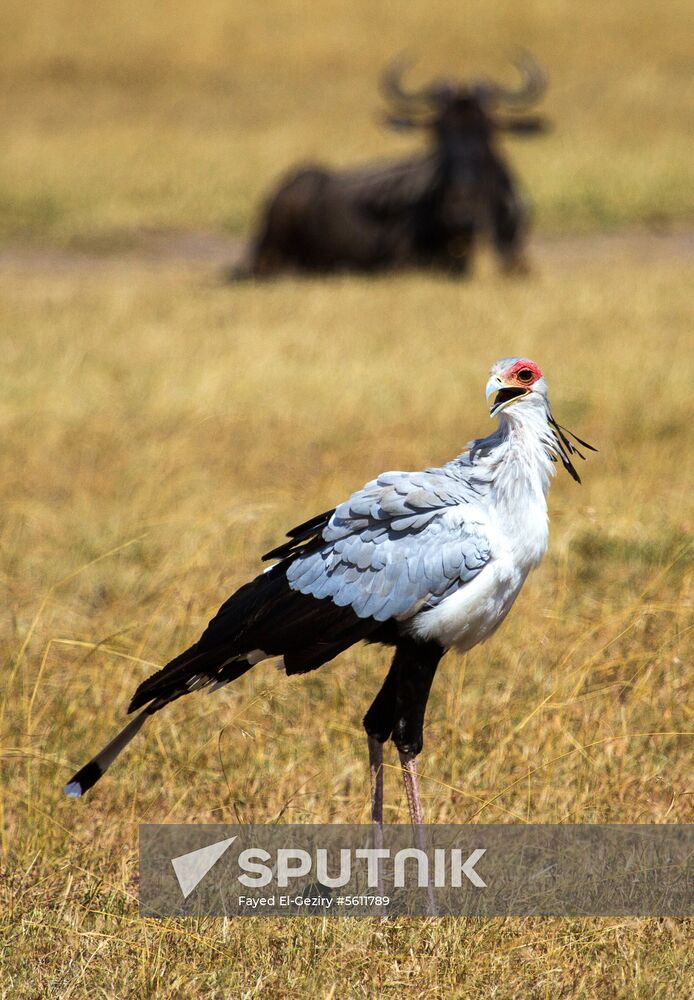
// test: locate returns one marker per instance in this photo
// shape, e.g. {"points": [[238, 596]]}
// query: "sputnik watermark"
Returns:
{"points": [[453, 870], [257, 870], [294, 864]]}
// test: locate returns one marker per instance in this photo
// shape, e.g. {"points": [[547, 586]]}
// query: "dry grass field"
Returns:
{"points": [[160, 430]]}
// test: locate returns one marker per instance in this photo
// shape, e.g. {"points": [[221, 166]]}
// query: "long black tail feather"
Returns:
{"points": [[263, 619], [88, 775]]}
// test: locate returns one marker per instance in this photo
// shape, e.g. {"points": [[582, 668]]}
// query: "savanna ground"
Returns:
{"points": [[161, 429]]}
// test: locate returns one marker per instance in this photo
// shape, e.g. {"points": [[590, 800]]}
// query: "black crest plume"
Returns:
{"points": [[566, 447]]}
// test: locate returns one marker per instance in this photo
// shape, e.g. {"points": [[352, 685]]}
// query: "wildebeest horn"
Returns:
{"points": [[391, 82], [532, 86]]}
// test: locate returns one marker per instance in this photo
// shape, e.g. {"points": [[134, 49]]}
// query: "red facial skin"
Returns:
{"points": [[511, 376]]}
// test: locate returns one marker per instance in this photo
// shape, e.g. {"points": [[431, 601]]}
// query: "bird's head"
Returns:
{"points": [[513, 381], [518, 383]]}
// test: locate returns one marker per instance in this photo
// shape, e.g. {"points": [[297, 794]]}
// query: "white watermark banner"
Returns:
{"points": [[473, 871]]}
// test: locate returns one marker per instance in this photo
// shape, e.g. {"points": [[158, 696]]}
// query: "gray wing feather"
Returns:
{"points": [[390, 550]]}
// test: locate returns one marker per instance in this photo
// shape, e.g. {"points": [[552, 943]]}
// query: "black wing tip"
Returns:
{"points": [[277, 553], [302, 538], [313, 523], [149, 689], [143, 692], [85, 779], [138, 700]]}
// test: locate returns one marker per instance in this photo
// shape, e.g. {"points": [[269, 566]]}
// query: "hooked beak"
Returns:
{"points": [[505, 395]]}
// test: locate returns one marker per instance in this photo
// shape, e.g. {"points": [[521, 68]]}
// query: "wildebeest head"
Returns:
{"points": [[463, 117], [453, 108]]}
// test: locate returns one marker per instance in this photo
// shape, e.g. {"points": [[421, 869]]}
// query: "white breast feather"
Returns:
{"points": [[517, 528]]}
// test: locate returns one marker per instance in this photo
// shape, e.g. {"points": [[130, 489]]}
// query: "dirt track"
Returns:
{"points": [[216, 252]]}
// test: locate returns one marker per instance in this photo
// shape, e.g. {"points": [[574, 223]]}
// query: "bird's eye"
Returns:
{"points": [[525, 376]]}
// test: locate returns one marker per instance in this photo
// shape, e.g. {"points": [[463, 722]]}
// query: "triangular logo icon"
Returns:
{"points": [[191, 868]]}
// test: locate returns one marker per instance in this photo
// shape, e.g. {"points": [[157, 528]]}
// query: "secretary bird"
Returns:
{"points": [[421, 561]]}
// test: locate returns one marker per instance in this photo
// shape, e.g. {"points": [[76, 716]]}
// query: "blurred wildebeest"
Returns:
{"points": [[423, 210]]}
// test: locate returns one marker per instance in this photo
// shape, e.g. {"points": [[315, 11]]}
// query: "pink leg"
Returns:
{"points": [[409, 774]]}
